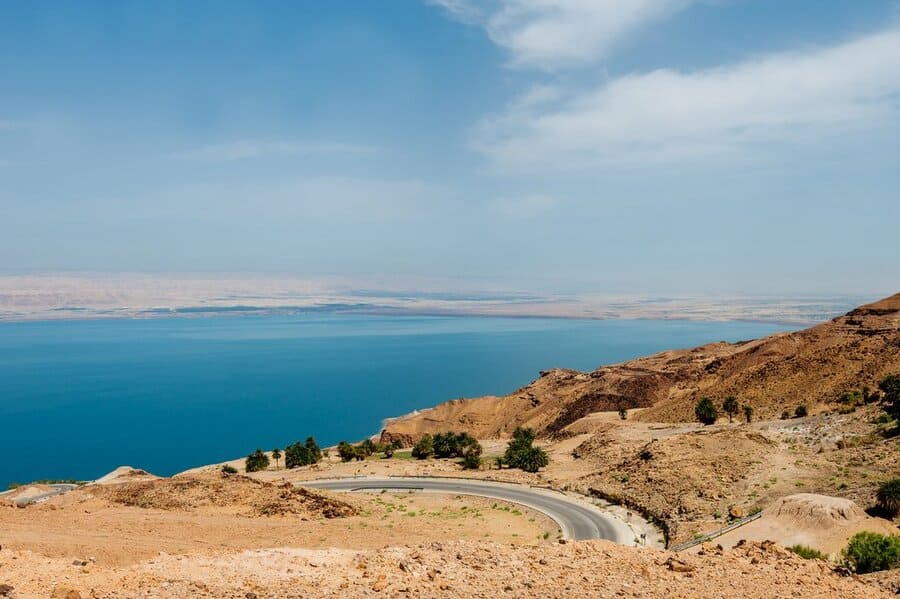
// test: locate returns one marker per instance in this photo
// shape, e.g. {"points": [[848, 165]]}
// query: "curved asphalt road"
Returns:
{"points": [[56, 489], [576, 520]]}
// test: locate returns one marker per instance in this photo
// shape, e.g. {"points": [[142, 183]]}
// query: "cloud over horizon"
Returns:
{"points": [[671, 115], [555, 34]]}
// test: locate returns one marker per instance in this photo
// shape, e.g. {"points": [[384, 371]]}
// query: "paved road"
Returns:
{"points": [[576, 520], [57, 489]]}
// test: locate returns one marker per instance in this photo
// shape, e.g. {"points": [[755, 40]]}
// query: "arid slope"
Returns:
{"points": [[811, 367]]}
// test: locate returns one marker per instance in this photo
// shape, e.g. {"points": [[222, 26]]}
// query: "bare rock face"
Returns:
{"points": [[818, 511], [810, 367]]}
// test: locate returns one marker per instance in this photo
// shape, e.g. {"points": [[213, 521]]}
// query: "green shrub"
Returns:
{"points": [[455, 445], [226, 469], [471, 461], [800, 412], [706, 412], [424, 448], [346, 451], [890, 389], [888, 496], [871, 552], [301, 454], [785, 415], [530, 459], [521, 453], [808, 552], [256, 461], [367, 447], [313, 447]]}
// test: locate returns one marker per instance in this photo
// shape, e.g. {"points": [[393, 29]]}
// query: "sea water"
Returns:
{"points": [[78, 398]]}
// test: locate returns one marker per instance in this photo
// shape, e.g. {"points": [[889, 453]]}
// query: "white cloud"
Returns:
{"points": [[554, 34], [254, 148], [668, 114]]}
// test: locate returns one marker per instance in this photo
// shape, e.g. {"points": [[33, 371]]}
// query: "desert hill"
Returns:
{"points": [[812, 367]]}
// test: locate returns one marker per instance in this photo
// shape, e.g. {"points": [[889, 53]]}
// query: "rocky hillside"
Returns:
{"points": [[811, 367]]}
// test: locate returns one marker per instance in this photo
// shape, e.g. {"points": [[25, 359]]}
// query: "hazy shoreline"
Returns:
{"points": [[34, 298]]}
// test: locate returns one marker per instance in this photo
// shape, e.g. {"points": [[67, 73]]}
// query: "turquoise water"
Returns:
{"points": [[78, 398]]}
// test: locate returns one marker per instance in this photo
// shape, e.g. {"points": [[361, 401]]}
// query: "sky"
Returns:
{"points": [[646, 146]]}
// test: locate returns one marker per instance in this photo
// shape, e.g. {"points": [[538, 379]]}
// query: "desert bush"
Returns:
{"points": [[424, 448], [301, 454], [521, 453], [256, 461], [706, 412], [888, 496], [890, 390], [346, 451], [871, 552], [800, 411], [471, 461], [807, 552], [748, 414], [785, 415], [623, 413], [226, 469], [530, 459], [367, 446]]}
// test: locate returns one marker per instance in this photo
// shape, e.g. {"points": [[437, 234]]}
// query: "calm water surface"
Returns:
{"points": [[78, 398]]}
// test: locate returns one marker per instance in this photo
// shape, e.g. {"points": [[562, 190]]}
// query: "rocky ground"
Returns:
{"points": [[442, 569]]}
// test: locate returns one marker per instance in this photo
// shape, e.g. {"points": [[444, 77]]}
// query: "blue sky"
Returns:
{"points": [[654, 146]]}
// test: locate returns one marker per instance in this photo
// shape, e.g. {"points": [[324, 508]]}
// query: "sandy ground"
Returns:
{"points": [[76, 526]]}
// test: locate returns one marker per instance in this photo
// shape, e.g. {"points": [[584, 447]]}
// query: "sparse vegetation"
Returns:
{"points": [[706, 412], [623, 413], [276, 455], [256, 461], [808, 552], [888, 497], [800, 411], [890, 389], [471, 461], [348, 452], [872, 552], [521, 452], [730, 407], [748, 414], [302, 454], [227, 469], [455, 445], [424, 448]]}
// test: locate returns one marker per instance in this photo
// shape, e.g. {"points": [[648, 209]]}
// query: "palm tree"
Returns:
{"points": [[730, 407], [276, 455]]}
